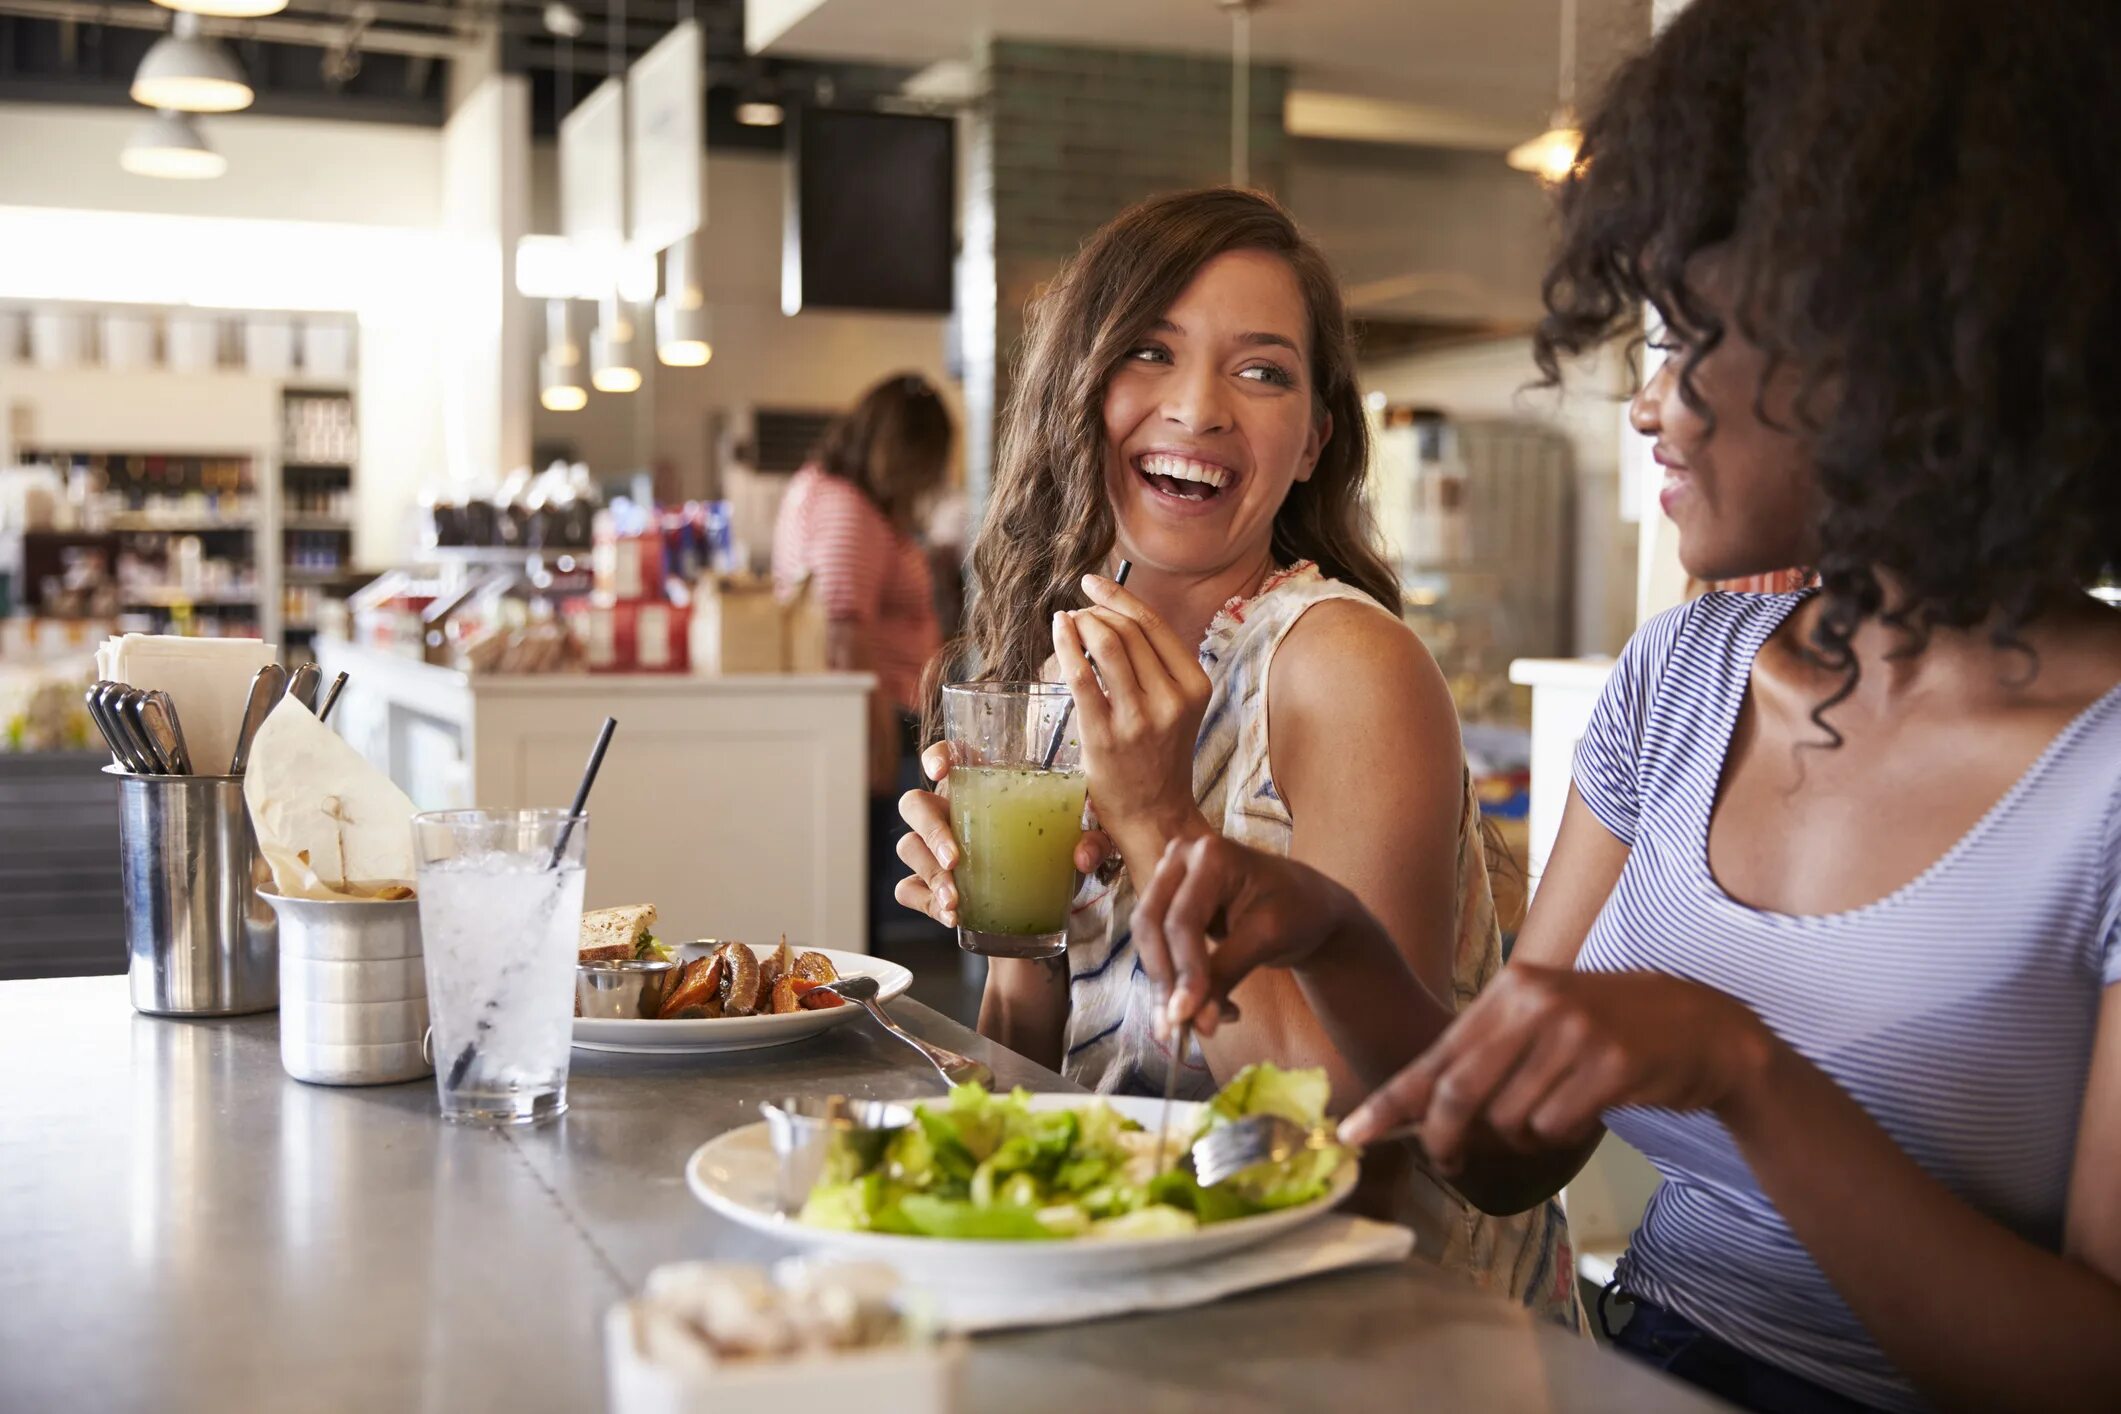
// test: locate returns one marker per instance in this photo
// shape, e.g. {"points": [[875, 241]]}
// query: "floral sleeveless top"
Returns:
{"points": [[1112, 1046]]}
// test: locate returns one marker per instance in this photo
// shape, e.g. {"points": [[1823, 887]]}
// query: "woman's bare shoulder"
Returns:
{"points": [[1348, 668]]}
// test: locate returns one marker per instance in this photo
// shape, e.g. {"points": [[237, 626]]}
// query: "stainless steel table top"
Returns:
{"points": [[184, 1227]]}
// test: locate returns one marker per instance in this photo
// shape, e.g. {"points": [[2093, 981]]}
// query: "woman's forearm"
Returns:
{"points": [[1025, 1007], [1374, 1010], [1380, 1017], [1978, 1317]]}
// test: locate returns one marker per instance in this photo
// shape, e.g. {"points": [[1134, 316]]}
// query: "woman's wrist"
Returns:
{"points": [[1349, 935], [1142, 836], [1759, 1066]]}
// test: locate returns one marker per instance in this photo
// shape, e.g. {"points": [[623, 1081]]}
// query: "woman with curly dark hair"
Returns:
{"points": [[1832, 930]]}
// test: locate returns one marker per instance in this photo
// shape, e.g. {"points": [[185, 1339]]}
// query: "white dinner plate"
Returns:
{"points": [[733, 1174], [741, 1033]]}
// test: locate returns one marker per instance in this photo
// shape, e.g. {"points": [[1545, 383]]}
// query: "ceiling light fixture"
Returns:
{"points": [[683, 333], [613, 364], [560, 367], [758, 113], [1553, 155], [558, 389], [190, 73], [170, 145], [227, 9]]}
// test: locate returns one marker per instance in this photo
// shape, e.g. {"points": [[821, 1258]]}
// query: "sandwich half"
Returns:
{"points": [[623, 934]]}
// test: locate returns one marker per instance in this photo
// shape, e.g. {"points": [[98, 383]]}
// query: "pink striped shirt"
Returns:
{"points": [[868, 573]]}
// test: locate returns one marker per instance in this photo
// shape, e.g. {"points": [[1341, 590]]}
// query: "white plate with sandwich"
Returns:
{"points": [[638, 995]]}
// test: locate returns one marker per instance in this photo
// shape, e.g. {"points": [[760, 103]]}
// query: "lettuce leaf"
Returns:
{"points": [[943, 1217], [1297, 1095], [1146, 1222], [870, 1203], [1266, 1089]]}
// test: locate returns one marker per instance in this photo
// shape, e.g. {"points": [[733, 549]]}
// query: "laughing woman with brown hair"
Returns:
{"points": [[1187, 402]]}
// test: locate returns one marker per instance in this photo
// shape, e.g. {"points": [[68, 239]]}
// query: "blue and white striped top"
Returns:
{"points": [[1959, 1010]]}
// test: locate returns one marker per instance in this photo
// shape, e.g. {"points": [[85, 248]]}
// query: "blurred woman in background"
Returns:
{"points": [[848, 524]]}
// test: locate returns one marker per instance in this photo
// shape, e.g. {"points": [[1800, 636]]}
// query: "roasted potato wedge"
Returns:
{"points": [[698, 982], [742, 989], [775, 965], [811, 996], [816, 967], [784, 996]]}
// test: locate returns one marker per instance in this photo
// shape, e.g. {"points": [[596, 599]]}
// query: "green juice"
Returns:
{"points": [[1016, 828]]}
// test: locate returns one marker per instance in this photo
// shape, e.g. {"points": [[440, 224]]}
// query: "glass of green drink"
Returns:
{"points": [[1016, 809]]}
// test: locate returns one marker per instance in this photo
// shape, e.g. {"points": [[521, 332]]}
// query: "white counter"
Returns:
{"points": [[737, 805], [1564, 690]]}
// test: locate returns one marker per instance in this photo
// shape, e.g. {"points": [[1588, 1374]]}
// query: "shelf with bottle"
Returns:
{"points": [[554, 512], [315, 493], [302, 603], [153, 491], [169, 596], [318, 429], [186, 560], [315, 555], [185, 623], [158, 525]]}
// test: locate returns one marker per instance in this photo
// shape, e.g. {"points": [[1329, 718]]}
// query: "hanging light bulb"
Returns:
{"points": [[560, 389], [614, 366], [227, 9], [170, 145], [560, 367], [188, 72], [1554, 154], [683, 333]]}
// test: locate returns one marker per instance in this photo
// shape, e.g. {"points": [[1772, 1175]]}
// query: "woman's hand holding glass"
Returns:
{"points": [[931, 852], [1140, 693], [1137, 731]]}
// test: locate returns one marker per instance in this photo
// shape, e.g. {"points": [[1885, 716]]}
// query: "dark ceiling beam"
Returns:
{"points": [[317, 34]]}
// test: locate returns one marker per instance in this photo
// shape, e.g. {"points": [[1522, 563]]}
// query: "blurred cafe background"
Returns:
{"points": [[468, 346]]}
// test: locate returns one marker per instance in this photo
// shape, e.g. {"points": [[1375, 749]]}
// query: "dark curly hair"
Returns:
{"points": [[1917, 208]]}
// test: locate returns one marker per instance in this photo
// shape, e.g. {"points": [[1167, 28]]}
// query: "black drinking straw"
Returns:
{"points": [[1060, 729], [581, 793]]}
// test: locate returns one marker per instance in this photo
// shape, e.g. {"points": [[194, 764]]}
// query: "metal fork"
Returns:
{"points": [[1261, 1139], [954, 1068], [1163, 1115]]}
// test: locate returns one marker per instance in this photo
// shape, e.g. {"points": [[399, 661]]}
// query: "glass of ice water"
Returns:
{"points": [[500, 923]]}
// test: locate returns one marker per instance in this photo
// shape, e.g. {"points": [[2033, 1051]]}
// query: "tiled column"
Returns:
{"points": [[1063, 140]]}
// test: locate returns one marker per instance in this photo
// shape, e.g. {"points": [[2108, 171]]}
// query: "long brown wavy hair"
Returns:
{"points": [[1048, 519]]}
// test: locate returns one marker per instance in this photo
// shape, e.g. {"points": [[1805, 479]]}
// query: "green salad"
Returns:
{"points": [[990, 1167]]}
